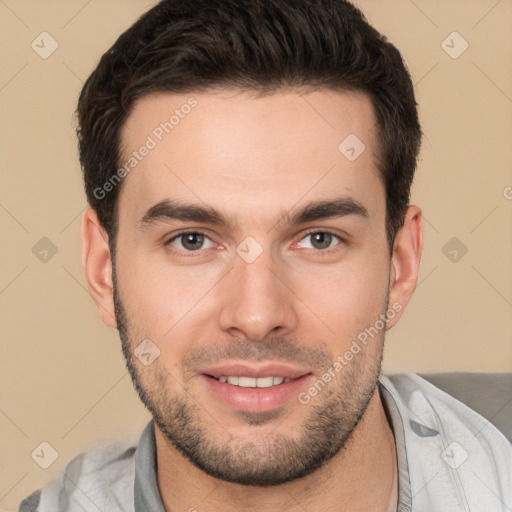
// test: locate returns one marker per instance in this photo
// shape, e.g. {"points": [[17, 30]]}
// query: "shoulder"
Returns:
{"points": [[450, 445], [415, 396], [103, 476], [489, 394], [31, 502]]}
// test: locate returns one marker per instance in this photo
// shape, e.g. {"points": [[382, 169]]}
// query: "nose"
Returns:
{"points": [[257, 301]]}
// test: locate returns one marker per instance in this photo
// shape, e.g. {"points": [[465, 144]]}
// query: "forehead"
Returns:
{"points": [[234, 150]]}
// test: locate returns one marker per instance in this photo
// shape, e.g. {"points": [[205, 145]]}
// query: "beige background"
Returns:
{"points": [[62, 376]]}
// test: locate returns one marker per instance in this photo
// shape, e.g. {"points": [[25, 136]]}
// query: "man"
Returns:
{"points": [[248, 168]]}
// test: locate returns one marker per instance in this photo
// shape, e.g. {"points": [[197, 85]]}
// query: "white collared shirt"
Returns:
{"points": [[450, 459]]}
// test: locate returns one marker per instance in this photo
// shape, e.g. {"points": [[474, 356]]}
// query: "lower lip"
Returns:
{"points": [[255, 399]]}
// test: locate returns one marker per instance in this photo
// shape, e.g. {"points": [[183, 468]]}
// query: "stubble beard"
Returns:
{"points": [[267, 460]]}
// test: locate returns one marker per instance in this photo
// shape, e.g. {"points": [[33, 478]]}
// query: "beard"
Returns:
{"points": [[266, 460]]}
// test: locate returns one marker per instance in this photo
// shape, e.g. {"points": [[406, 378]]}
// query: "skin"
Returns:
{"points": [[242, 154]]}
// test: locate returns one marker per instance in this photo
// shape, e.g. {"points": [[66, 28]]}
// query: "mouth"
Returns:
{"points": [[251, 382], [254, 388]]}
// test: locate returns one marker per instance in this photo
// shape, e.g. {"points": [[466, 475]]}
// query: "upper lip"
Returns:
{"points": [[255, 371]]}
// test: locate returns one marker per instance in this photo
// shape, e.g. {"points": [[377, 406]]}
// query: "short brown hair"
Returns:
{"points": [[263, 45]]}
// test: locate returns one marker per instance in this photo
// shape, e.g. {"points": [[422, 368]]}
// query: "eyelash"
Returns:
{"points": [[188, 254]]}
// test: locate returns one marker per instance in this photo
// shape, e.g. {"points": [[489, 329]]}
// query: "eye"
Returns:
{"points": [[320, 240], [190, 241]]}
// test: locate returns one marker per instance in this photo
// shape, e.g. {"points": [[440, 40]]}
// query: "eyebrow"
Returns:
{"points": [[314, 211]]}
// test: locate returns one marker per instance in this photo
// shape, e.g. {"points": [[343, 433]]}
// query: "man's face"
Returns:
{"points": [[284, 262]]}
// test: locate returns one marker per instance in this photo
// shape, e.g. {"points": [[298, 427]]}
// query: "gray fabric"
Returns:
{"points": [[458, 461], [146, 494], [489, 394], [395, 420], [431, 428], [100, 480], [31, 502]]}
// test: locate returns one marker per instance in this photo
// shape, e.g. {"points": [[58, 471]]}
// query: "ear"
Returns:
{"points": [[405, 262], [97, 265]]}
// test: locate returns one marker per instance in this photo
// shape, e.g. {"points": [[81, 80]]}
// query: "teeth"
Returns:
{"points": [[247, 382], [266, 382], [252, 382]]}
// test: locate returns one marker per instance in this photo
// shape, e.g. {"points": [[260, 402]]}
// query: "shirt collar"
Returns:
{"points": [[397, 426], [146, 494]]}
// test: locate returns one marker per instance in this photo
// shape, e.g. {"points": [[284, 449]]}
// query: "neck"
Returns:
{"points": [[363, 476]]}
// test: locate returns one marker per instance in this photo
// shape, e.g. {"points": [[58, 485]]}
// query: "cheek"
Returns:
{"points": [[173, 305], [161, 300], [347, 297]]}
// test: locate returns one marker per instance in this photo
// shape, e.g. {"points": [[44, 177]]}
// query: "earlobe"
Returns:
{"points": [[405, 261], [97, 264]]}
